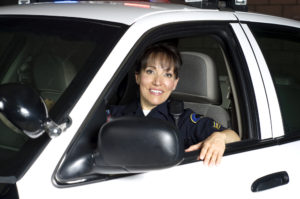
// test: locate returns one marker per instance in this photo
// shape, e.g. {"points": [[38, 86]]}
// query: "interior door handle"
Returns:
{"points": [[270, 181]]}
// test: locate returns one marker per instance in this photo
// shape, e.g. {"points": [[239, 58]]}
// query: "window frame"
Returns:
{"points": [[267, 75], [97, 114], [32, 148]]}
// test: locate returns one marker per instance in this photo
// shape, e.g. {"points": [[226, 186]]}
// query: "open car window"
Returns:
{"points": [[220, 66]]}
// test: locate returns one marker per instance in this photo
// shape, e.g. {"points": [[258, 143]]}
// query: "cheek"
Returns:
{"points": [[170, 85], [144, 80]]}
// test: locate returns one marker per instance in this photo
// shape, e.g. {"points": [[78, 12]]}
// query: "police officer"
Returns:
{"points": [[157, 77]]}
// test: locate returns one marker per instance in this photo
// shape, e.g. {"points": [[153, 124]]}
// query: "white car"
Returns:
{"points": [[241, 69]]}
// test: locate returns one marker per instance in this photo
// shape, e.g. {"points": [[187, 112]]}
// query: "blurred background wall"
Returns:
{"points": [[283, 8]]}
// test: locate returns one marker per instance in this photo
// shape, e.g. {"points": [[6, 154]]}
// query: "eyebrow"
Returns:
{"points": [[150, 67], [167, 69]]}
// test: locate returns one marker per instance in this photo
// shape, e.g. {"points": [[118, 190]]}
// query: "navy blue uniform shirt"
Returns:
{"points": [[193, 127]]}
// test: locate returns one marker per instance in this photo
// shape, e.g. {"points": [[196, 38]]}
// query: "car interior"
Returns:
{"points": [[47, 63], [44, 71], [199, 87], [204, 84]]}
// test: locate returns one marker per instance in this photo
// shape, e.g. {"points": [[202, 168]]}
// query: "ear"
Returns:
{"points": [[175, 83], [137, 78]]}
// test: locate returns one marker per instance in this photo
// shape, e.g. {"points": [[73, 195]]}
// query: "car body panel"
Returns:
{"points": [[261, 18], [55, 149], [276, 119], [124, 13], [237, 172], [241, 170], [129, 39], [261, 100]]}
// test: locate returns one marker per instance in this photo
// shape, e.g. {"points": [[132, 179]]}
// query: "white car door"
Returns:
{"points": [[276, 46], [245, 162]]}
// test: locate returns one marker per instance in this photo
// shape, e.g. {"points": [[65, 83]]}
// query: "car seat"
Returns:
{"points": [[199, 87], [51, 75], [288, 92]]}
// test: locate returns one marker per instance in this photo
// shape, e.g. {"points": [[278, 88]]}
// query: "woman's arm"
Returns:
{"points": [[213, 147]]}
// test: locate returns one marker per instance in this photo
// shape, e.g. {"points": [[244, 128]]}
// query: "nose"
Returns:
{"points": [[157, 80]]}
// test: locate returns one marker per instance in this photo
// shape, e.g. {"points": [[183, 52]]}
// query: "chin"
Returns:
{"points": [[158, 102]]}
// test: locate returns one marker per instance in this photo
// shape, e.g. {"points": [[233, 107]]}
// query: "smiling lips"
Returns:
{"points": [[156, 92]]}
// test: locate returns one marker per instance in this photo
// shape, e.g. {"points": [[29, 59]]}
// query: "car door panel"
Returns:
{"points": [[188, 180], [273, 104], [233, 178], [280, 129]]}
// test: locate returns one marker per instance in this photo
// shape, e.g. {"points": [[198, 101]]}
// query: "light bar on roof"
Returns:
{"points": [[189, 1], [69, 1], [139, 5], [23, 1], [240, 5], [241, 2], [208, 4]]}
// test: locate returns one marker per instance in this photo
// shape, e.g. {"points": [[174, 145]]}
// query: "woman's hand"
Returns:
{"points": [[213, 147]]}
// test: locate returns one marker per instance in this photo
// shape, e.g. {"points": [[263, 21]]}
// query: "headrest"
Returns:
{"points": [[51, 75], [198, 80]]}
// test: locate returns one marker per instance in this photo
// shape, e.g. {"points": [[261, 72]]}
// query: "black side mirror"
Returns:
{"points": [[136, 145], [22, 109], [126, 145]]}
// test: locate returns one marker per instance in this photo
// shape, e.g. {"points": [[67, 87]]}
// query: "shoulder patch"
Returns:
{"points": [[108, 115], [216, 125], [195, 117]]}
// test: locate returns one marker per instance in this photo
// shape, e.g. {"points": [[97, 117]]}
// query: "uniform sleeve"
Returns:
{"points": [[196, 128], [113, 112], [108, 115]]}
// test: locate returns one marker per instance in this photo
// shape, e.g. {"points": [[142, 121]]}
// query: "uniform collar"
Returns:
{"points": [[136, 109], [162, 108]]}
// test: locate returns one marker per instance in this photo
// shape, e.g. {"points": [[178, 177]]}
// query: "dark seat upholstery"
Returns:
{"points": [[288, 92]]}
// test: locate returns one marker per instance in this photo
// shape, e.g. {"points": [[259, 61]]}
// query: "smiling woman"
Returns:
{"points": [[157, 77]]}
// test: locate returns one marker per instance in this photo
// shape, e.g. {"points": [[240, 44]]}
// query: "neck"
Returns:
{"points": [[146, 107]]}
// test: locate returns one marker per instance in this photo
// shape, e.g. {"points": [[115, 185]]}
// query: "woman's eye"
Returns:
{"points": [[149, 71], [169, 75]]}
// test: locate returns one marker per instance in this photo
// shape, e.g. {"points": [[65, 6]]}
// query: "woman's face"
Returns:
{"points": [[156, 82]]}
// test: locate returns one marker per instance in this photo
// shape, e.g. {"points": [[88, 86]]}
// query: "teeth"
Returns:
{"points": [[156, 91]]}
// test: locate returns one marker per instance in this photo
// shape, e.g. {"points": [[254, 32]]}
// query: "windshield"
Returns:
{"points": [[52, 55]]}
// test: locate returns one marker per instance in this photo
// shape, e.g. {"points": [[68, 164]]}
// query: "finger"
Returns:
{"points": [[194, 147], [213, 159], [208, 156], [203, 153], [219, 158]]}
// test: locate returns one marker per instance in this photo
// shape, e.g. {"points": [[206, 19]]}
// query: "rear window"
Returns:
{"points": [[281, 49]]}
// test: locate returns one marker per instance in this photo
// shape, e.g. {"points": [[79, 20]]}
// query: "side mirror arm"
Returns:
{"points": [[54, 130]]}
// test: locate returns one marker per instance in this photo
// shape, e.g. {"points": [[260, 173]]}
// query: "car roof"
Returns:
{"points": [[262, 18], [126, 12], [129, 12]]}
